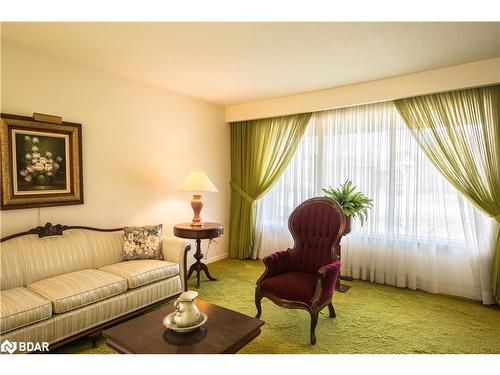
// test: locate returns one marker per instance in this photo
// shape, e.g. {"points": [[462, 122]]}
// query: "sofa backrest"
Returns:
{"points": [[27, 259], [106, 247], [11, 265]]}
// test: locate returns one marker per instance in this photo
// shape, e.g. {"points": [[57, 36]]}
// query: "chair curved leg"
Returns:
{"points": [[331, 310], [258, 299], [314, 320]]}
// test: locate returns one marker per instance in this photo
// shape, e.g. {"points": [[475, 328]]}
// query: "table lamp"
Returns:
{"points": [[197, 182]]}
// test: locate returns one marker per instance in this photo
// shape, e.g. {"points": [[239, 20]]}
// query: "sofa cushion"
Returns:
{"points": [[106, 247], [55, 255], [142, 272], [76, 289], [142, 242], [11, 265], [20, 307], [148, 294], [292, 286]]}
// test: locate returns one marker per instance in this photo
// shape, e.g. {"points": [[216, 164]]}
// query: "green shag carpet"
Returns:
{"points": [[371, 318]]}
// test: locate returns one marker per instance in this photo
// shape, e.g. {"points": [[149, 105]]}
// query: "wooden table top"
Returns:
{"points": [[208, 230], [226, 331]]}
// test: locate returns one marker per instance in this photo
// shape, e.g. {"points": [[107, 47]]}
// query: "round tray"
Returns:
{"points": [[169, 323]]}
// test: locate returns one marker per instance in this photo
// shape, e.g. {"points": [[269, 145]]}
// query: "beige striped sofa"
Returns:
{"points": [[59, 287]]}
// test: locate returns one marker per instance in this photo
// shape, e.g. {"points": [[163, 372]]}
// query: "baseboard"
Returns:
{"points": [[216, 258]]}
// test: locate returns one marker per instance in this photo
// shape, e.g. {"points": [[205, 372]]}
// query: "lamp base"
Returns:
{"points": [[197, 205]]}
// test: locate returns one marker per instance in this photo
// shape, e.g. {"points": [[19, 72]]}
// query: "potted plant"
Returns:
{"points": [[353, 203]]}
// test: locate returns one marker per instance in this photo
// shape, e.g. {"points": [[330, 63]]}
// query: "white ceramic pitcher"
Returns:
{"points": [[186, 311]]}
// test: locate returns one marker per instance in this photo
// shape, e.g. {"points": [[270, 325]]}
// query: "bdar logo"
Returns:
{"points": [[8, 347]]}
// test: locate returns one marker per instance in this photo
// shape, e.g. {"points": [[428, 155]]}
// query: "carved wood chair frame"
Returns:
{"points": [[314, 308]]}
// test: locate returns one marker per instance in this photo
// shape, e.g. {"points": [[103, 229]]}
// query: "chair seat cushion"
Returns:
{"points": [[20, 307], [76, 289], [291, 286], [142, 272]]}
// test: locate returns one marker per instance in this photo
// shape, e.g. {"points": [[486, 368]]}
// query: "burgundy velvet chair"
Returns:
{"points": [[304, 277]]}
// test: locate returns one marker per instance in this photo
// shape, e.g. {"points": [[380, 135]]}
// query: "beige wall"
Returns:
{"points": [[139, 142], [452, 78]]}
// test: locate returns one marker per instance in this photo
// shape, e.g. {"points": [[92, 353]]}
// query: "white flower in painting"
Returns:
{"points": [[50, 161], [49, 173], [43, 160], [59, 159], [56, 166], [36, 155], [39, 167], [26, 138], [48, 154], [34, 148], [27, 156], [152, 242], [35, 140], [48, 167], [28, 178], [30, 168]]}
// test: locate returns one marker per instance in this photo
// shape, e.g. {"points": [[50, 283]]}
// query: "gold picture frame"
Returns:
{"points": [[41, 162]]}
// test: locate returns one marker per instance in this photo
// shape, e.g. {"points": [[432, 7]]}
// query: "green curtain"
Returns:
{"points": [[260, 152], [459, 132]]}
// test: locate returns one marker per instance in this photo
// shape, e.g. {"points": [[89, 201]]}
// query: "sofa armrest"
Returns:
{"points": [[327, 278], [175, 250], [276, 264], [330, 272]]}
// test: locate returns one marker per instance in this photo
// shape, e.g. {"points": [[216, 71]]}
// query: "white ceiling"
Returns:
{"points": [[229, 63]]}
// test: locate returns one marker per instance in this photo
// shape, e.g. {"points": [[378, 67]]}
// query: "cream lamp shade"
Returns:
{"points": [[197, 182]]}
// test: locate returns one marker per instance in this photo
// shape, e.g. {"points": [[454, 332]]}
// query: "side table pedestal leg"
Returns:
{"points": [[198, 266]]}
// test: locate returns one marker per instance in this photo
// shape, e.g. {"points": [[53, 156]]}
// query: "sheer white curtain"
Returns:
{"points": [[421, 233]]}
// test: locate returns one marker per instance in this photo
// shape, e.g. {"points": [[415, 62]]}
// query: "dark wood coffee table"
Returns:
{"points": [[225, 331]]}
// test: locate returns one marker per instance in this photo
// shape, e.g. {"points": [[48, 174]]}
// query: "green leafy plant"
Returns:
{"points": [[353, 203]]}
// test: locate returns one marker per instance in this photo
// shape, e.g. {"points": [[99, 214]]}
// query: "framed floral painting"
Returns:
{"points": [[41, 161]]}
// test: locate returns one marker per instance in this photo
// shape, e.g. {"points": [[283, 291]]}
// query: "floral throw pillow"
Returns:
{"points": [[142, 242]]}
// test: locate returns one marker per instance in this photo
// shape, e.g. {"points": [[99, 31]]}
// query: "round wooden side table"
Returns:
{"points": [[205, 232]]}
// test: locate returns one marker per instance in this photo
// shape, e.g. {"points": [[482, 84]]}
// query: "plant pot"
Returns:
{"points": [[347, 227]]}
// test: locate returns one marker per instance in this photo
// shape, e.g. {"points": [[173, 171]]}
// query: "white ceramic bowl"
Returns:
{"points": [[169, 323]]}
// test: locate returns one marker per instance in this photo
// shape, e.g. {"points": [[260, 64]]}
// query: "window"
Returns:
{"points": [[418, 217]]}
